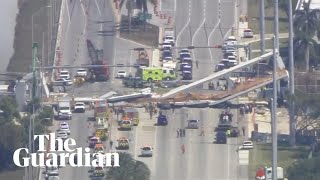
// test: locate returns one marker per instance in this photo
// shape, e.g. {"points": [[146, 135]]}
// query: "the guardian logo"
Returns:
{"points": [[77, 157]]}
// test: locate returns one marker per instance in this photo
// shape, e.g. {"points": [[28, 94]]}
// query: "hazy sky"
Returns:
{"points": [[8, 12]]}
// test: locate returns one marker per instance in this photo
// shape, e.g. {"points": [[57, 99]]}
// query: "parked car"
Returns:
{"points": [[79, 107], [64, 75], [247, 33], [146, 151], [81, 72], [247, 145], [121, 74], [193, 124], [169, 39]]}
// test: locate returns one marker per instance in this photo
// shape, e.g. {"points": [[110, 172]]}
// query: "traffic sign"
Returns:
{"points": [[144, 16]]}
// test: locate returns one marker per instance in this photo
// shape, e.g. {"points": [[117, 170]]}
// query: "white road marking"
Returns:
{"points": [[113, 62], [98, 7], [227, 33], [185, 26], [68, 11], [211, 33]]}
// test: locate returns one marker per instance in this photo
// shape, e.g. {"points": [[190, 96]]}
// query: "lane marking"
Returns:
{"points": [[68, 11], [113, 62], [186, 25], [194, 35], [211, 33], [83, 8], [99, 11]]}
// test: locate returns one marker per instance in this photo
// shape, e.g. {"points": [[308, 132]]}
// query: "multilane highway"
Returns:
{"points": [[203, 159], [198, 23]]}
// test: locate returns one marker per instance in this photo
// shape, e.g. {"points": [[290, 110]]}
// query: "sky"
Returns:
{"points": [[8, 12]]}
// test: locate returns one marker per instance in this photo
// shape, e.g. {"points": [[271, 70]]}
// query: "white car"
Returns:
{"points": [[166, 45], [121, 74], [81, 72], [65, 128], [79, 107], [248, 33], [232, 58], [169, 39], [247, 145], [169, 64], [61, 134], [146, 151], [60, 82], [64, 75]]}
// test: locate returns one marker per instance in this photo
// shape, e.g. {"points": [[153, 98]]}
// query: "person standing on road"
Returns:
{"points": [[243, 130], [197, 64], [178, 132], [183, 149], [184, 132], [111, 143], [202, 131]]}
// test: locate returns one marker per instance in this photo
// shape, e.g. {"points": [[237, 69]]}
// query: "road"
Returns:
{"points": [[198, 23], [202, 160], [82, 23]]}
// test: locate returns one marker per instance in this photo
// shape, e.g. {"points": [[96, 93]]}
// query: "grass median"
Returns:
{"points": [[261, 156]]}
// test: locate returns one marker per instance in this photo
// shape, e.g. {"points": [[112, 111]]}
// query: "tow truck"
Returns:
{"points": [[123, 143]]}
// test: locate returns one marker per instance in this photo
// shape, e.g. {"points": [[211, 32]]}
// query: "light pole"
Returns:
{"points": [[32, 17], [291, 78], [273, 114], [262, 28], [34, 50]]}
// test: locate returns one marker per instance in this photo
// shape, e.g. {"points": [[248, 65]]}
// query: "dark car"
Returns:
{"points": [[184, 56], [186, 75], [221, 137], [162, 120], [166, 54]]}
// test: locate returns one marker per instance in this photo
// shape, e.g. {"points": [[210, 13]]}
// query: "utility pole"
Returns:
{"points": [[276, 22], [34, 59], [291, 79], [262, 28], [273, 114]]}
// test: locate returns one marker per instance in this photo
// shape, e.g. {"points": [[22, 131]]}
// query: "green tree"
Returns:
{"points": [[306, 169], [306, 25], [9, 108], [11, 138], [129, 169]]}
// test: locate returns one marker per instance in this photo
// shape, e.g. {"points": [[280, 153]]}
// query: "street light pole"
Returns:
{"points": [[262, 28], [276, 22], [273, 114], [291, 78]]}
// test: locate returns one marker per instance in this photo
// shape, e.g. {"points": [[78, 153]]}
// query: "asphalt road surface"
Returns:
{"points": [[202, 159], [198, 23]]}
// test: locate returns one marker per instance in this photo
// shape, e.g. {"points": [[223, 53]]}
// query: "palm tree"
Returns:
{"points": [[306, 25], [129, 169], [139, 4]]}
